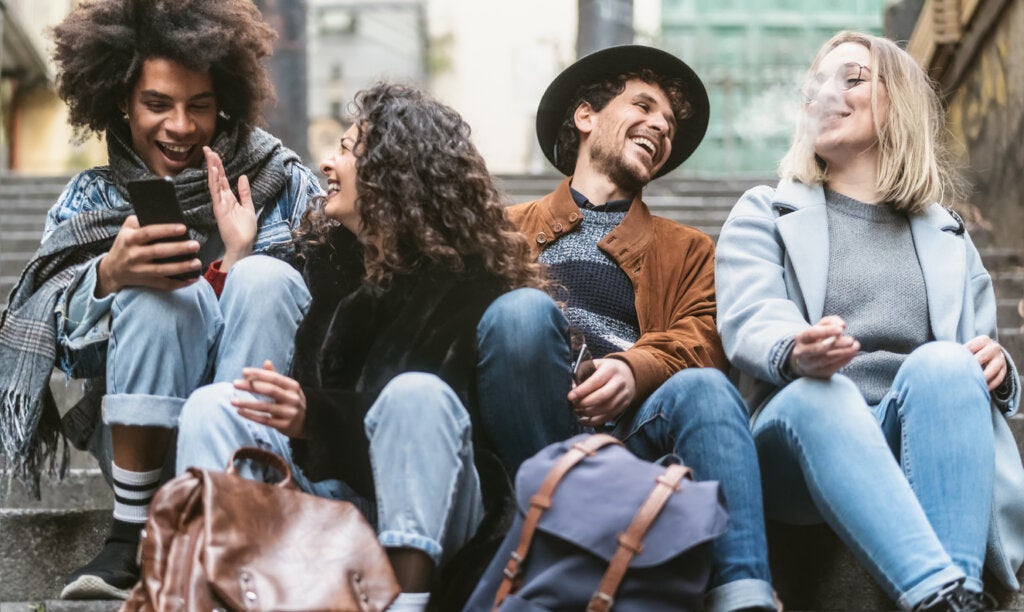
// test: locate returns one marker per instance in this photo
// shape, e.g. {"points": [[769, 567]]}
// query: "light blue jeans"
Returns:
{"points": [[421, 450], [165, 344], [906, 484]]}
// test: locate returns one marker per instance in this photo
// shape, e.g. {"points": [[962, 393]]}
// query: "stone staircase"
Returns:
{"points": [[43, 540]]}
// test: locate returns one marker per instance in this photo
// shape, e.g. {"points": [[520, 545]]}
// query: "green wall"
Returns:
{"points": [[751, 55]]}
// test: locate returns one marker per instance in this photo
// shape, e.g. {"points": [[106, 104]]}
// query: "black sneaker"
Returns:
{"points": [[953, 597], [114, 571]]}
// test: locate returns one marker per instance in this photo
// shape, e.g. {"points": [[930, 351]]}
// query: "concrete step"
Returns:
{"points": [[56, 605], [40, 547]]}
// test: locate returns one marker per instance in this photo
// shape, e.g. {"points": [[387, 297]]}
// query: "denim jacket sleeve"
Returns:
{"points": [[277, 222], [82, 321], [757, 318]]}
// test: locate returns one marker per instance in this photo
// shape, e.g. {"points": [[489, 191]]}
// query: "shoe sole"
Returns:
{"points": [[92, 587]]}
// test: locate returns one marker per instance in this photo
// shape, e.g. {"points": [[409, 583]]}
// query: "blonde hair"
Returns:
{"points": [[914, 165]]}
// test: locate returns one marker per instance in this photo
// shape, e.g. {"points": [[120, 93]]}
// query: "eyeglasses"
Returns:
{"points": [[846, 77]]}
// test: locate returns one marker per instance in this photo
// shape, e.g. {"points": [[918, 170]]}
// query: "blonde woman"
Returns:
{"points": [[861, 309]]}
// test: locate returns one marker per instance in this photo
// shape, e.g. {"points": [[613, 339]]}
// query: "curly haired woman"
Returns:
{"points": [[175, 87], [402, 258]]}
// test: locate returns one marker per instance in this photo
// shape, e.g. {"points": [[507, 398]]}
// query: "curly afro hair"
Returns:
{"points": [[101, 45]]}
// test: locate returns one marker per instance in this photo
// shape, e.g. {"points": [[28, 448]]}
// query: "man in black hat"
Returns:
{"points": [[641, 290]]}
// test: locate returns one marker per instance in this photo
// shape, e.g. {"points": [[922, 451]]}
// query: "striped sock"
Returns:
{"points": [[132, 493]]}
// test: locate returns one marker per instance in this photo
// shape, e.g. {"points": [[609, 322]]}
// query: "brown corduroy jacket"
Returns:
{"points": [[672, 268]]}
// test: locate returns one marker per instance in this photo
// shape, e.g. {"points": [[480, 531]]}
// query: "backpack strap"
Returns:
{"points": [[539, 503], [631, 542]]}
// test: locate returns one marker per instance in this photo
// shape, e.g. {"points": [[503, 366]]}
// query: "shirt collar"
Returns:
{"points": [[610, 206]]}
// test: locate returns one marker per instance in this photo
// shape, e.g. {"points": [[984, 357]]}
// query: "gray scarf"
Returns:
{"points": [[30, 429]]}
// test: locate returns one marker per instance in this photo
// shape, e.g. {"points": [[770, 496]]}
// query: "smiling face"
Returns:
{"points": [[172, 114], [841, 107], [340, 170], [629, 139]]}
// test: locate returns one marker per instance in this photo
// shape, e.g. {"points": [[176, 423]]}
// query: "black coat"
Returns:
{"points": [[357, 337]]}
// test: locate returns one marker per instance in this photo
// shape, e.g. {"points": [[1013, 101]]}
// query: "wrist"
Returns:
{"points": [[105, 281], [233, 257]]}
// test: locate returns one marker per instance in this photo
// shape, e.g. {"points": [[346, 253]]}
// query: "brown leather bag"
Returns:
{"points": [[215, 540]]}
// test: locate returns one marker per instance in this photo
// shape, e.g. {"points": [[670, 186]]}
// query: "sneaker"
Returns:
{"points": [[114, 571], [953, 597]]}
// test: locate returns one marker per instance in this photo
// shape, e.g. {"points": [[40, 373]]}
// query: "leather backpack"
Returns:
{"points": [[214, 540], [600, 529]]}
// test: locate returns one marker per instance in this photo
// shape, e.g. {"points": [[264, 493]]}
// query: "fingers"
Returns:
{"points": [[995, 372], [151, 233], [978, 343], [989, 354], [245, 192]]}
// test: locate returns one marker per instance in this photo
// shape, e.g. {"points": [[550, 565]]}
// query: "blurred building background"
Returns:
{"points": [[492, 59]]}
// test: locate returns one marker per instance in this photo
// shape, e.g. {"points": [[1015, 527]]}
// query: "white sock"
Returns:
{"points": [[132, 493], [410, 602]]}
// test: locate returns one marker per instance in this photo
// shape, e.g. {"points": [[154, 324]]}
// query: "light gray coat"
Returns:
{"points": [[771, 273]]}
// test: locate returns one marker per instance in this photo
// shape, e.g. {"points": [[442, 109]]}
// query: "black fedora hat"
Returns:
{"points": [[611, 62]]}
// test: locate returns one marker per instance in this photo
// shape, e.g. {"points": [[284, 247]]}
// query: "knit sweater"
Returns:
{"points": [[599, 300], [876, 285]]}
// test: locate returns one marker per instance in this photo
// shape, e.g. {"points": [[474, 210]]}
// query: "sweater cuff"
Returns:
{"points": [[215, 277], [779, 357]]}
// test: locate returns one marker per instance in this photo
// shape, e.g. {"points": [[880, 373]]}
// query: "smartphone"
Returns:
{"points": [[155, 202], [583, 366]]}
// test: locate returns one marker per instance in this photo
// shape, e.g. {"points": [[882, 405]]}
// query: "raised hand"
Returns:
{"points": [[236, 217]]}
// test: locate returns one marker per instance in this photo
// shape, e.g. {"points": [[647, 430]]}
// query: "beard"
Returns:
{"points": [[609, 162]]}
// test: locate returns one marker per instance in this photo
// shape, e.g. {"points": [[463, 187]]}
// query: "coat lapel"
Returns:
{"points": [[804, 232], [943, 258]]}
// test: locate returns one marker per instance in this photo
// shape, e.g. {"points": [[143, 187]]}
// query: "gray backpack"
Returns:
{"points": [[598, 528]]}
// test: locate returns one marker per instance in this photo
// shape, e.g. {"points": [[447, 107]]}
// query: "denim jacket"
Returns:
{"points": [[771, 273], [82, 343]]}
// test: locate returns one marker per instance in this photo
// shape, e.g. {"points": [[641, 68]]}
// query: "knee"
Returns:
{"points": [[263, 278], [521, 313], [159, 312], [704, 394], [205, 413], [422, 399], [810, 405], [939, 363]]}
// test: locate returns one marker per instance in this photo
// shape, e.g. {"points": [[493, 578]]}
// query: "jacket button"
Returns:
{"points": [[573, 216], [541, 238], [558, 228]]}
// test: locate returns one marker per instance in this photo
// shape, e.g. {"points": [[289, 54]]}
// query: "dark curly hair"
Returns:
{"points": [[424, 194], [101, 45], [598, 95]]}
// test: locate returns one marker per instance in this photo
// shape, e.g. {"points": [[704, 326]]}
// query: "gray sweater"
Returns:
{"points": [[875, 284]]}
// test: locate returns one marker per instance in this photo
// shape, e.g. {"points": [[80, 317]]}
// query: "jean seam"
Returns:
{"points": [[638, 427]]}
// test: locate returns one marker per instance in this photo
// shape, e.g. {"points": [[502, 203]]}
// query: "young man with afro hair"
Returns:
{"points": [[176, 87]]}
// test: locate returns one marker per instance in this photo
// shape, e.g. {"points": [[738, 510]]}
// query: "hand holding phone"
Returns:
{"points": [[155, 202], [583, 366]]}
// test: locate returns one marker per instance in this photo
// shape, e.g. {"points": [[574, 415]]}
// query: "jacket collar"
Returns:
{"points": [[802, 222], [629, 238]]}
